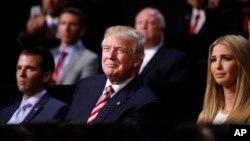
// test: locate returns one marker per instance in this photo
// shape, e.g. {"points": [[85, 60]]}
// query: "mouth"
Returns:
{"points": [[219, 75], [21, 82], [111, 65]]}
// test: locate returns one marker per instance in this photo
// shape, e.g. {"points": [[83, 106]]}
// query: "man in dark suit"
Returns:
{"points": [[196, 28], [130, 99], [33, 72], [161, 63]]}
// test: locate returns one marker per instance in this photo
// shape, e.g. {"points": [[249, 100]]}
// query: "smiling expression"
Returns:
{"points": [[118, 61]]}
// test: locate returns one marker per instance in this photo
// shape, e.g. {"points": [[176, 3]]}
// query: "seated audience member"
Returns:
{"points": [[196, 30], [161, 63], [227, 97], [41, 26], [33, 73], [73, 60], [197, 25], [119, 95]]}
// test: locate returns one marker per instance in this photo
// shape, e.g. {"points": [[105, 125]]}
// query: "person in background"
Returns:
{"points": [[196, 29], [161, 62], [73, 59], [33, 73], [119, 95], [42, 24], [227, 97]]}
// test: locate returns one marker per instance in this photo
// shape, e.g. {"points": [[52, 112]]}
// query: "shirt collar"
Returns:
{"points": [[118, 87], [72, 47], [35, 98]]}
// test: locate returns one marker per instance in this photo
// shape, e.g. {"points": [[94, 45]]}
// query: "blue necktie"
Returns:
{"points": [[20, 114], [21, 110]]}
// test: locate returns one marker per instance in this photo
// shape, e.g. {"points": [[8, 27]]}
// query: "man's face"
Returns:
{"points": [[29, 74], [69, 28], [149, 24], [118, 60]]}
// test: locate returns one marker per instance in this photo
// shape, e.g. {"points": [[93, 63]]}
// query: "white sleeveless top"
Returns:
{"points": [[220, 118]]}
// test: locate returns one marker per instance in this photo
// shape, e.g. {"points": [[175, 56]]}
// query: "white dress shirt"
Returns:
{"points": [[201, 20], [148, 55], [118, 87]]}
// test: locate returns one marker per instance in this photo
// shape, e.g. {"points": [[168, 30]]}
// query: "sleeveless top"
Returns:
{"points": [[220, 118]]}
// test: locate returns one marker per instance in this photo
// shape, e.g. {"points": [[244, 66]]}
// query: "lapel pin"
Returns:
{"points": [[118, 103], [36, 109]]}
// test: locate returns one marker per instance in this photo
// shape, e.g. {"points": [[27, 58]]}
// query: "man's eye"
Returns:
{"points": [[121, 50]]}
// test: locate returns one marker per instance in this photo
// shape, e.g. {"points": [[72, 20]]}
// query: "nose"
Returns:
{"points": [[218, 64], [111, 53], [21, 73], [144, 25], [141, 25]]}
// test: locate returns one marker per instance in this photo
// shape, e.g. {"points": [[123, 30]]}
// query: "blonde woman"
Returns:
{"points": [[227, 96]]}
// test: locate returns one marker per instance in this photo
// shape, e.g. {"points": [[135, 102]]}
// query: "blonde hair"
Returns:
{"points": [[130, 34], [214, 97]]}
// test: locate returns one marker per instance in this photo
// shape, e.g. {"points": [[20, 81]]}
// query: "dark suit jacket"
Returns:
{"points": [[47, 110], [183, 23], [168, 64], [196, 45], [135, 103]]}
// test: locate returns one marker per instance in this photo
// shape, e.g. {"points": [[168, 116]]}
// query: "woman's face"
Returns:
{"points": [[224, 66]]}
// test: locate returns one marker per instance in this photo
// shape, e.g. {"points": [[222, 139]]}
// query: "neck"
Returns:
{"points": [[152, 44], [229, 96], [27, 95], [65, 45], [115, 81]]}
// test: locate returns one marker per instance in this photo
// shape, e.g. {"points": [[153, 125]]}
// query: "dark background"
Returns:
{"points": [[100, 15]]}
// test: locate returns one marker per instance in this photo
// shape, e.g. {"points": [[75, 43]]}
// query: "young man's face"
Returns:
{"points": [[29, 75]]}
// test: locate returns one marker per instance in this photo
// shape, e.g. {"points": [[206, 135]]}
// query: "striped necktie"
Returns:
{"points": [[100, 104], [58, 67], [194, 25]]}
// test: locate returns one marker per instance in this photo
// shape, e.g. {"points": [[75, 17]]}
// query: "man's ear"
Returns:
{"points": [[138, 62], [47, 76]]}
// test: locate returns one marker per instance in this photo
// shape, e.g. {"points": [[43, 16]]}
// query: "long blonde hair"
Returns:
{"points": [[214, 97]]}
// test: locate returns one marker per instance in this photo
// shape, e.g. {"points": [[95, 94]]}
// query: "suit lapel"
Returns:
{"points": [[114, 103], [156, 58], [8, 112], [36, 109], [187, 20], [119, 99], [71, 64], [92, 97]]}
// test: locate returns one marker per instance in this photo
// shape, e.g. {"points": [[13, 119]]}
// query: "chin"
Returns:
{"points": [[221, 83], [22, 90]]}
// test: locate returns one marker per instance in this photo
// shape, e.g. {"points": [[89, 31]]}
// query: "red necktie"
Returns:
{"points": [[58, 67], [100, 104], [194, 25]]}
